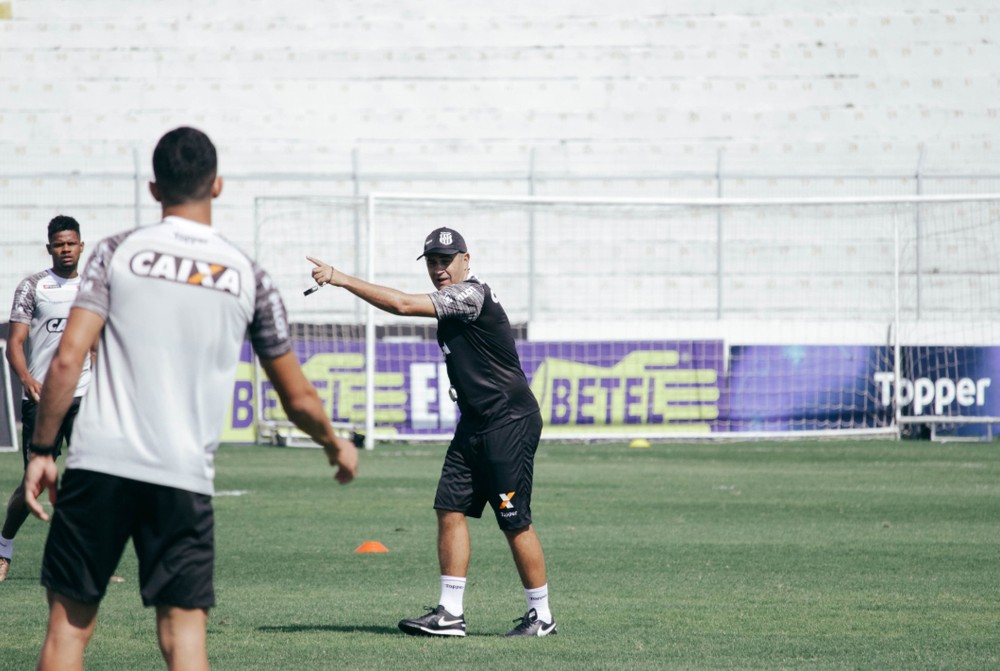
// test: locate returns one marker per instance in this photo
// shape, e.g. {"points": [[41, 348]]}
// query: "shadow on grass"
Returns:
{"points": [[300, 628], [349, 629]]}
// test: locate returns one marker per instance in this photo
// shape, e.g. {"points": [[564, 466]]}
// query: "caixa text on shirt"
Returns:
{"points": [[56, 325], [183, 270]]}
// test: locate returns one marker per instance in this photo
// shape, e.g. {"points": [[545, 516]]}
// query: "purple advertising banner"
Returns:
{"points": [[585, 385], [594, 386], [688, 386], [947, 381], [787, 388]]}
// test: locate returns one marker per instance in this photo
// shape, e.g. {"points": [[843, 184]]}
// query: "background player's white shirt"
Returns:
{"points": [[178, 300], [42, 301]]}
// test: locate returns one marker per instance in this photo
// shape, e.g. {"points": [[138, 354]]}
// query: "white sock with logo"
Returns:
{"points": [[6, 547], [538, 598], [452, 594]]}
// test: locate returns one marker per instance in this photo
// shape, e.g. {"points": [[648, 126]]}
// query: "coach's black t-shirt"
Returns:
{"points": [[478, 344]]}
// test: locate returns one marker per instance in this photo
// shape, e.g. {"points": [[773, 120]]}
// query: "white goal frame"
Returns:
{"points": [[892, 330]]}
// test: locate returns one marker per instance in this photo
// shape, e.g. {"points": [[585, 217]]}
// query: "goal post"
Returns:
{"points": [[8, 421], [662, 318]]}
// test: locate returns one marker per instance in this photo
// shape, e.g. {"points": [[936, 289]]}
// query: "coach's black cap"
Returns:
{"points": [[444, 241]]}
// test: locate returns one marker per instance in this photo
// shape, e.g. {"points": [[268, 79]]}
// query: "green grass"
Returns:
{"points": [[815, 555]]}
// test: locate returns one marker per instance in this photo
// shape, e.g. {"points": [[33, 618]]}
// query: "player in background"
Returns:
{"points": [[37, 319], [172, 304], [491, 457]]}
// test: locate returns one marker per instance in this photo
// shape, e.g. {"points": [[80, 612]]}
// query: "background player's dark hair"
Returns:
{"points": [[184, 166], [62, 223]]}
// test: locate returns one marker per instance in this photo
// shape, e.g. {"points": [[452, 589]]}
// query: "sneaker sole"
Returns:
{"points": [[417, 630]]}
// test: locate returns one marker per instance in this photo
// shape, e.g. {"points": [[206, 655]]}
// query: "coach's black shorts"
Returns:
{"points": [[172, 531], [29, 413], [495, 466]]}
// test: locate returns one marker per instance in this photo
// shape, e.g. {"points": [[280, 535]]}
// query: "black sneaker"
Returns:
{"points": [[532, 626], [437, 622]]}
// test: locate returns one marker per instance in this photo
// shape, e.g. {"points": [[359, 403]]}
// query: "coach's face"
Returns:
{"points": [[65, 248], [446, 269]]}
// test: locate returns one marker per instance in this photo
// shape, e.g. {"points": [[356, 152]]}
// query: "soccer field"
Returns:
{"points": [[811, 555]]}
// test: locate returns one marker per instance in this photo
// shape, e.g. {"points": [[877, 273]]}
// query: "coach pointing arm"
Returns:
{"points": [[384, 298]]}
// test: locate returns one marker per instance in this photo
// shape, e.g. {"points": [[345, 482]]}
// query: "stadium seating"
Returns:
{"points": [[571, 98]]}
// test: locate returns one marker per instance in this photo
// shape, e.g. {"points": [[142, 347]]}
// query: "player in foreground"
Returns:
{"points": [[491, 457], [41, 306], [172, 304]]}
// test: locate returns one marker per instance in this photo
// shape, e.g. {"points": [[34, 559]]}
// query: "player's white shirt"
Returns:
{"points": [[42, 301], [178, 300]]}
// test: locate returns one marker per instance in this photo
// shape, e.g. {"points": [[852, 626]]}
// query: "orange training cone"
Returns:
{"points": [[372, 546]]}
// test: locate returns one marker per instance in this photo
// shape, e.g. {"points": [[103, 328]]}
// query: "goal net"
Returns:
{"points": [[661, 318], [949, 321]]}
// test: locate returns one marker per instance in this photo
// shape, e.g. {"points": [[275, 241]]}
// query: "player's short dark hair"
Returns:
{"points": [[184, 166], [62, 223]]}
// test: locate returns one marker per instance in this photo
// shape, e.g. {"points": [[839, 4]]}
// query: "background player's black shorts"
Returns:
{"points": [[495, 466], [29, 413], [172, 531]]}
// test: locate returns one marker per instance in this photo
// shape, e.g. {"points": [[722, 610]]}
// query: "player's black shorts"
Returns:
{"points": [[172, 531], [495, 466], [29, 413]]}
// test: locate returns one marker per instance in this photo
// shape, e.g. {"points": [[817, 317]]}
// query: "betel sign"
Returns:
{"points": [[925, 392]]}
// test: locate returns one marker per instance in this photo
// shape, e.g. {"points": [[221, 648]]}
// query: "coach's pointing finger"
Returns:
{"points": [[322, 273]]}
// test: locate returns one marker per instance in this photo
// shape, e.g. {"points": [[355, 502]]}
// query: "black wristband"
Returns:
{"points": [[42, 450]]}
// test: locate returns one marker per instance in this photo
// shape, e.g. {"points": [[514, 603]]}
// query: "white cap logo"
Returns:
{"points": [[445, 238]]}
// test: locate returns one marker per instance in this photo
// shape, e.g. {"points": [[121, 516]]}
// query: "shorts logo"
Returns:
{"points": [[186, 271], [505, 501], [57, 325], [445, 238]]}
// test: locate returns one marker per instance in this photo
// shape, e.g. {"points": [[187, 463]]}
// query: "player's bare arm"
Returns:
{"points": [[302, 405], [384, 298], [82, 329], [16, 338]]}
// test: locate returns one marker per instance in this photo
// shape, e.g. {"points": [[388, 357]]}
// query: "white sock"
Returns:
{"points": [[452, 594], [6, 547], [538, 599]]}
